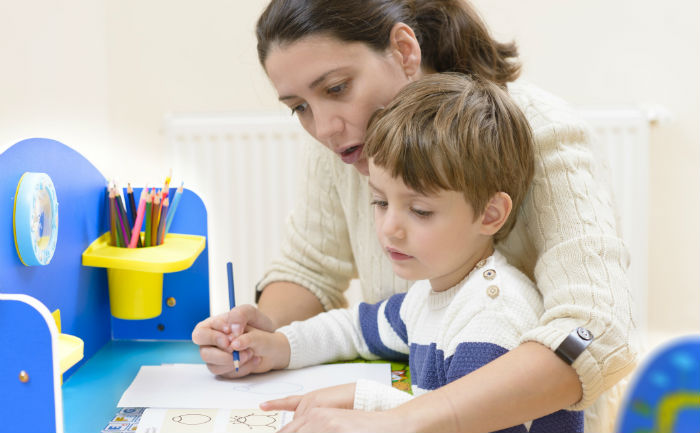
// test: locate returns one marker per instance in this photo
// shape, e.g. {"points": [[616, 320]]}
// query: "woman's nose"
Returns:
{"points": [[327, 125]]}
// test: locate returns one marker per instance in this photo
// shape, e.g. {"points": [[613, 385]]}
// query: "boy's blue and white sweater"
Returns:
{"points": [[444, 335]]}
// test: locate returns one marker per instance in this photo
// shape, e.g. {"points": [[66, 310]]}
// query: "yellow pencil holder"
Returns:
{"points": [[135, 275]]}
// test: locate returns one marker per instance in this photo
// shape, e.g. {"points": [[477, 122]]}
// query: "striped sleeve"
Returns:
{"points": [[383, 329], [370, 331]]}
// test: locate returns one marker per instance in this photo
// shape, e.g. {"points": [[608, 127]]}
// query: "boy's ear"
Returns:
{"points": [[404, 45], [496, 213]]}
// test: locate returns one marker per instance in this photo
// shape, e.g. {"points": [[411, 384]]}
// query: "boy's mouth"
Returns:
{"points": [[397, 255]]}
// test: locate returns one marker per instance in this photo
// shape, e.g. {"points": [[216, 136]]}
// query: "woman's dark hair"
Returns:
{"points": [[451, 34]]}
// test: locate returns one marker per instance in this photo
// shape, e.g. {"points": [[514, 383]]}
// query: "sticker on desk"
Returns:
{"points": [[212, 421], [126, 420]]}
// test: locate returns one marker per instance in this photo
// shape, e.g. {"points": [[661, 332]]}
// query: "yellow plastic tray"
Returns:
{"points": [[70, 351], [177, 253], [70, 348]]}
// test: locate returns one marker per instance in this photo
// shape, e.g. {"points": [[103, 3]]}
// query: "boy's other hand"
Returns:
{"points": [[339, 396], [268, 351]]}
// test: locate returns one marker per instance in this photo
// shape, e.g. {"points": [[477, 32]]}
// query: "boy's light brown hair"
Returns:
{"points": [[454, 132]]}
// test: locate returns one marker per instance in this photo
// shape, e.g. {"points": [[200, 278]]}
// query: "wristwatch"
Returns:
{"points": [[574, 344]]}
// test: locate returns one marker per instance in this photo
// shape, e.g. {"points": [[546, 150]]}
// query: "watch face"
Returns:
{"points": [[584, 333]]}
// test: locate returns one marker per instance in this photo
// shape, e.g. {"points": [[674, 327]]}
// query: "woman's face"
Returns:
{"points": [[334, 87]]}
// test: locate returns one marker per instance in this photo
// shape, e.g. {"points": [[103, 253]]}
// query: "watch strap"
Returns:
{"points": [[574, 343]]}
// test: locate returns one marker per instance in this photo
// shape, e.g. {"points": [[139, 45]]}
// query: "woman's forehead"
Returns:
{"points": [[305, 61]]}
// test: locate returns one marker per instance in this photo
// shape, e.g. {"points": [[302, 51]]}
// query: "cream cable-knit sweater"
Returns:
{"points": [[565, 240]]}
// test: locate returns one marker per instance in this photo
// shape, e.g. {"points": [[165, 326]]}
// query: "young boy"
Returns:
{"points": [[450, 161]]}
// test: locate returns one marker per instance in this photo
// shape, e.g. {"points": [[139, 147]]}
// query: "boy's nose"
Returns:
{"points": [[392, 226]]}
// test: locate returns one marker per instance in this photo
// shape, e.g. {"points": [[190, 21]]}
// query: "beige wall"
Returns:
{"points": [[100, 75]]}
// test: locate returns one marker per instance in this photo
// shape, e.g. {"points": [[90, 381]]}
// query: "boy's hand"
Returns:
{"points": [[340, 396], [268, 351], [215, 334]]}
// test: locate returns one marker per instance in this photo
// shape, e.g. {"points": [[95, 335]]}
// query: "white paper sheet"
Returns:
{"points": [[193, 386]]}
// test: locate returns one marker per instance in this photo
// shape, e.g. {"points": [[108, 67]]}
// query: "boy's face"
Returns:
{"points": [[433, 237]]}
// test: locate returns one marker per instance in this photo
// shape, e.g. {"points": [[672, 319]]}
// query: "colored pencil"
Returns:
{"points": [[120, 236], [121, 224], [155, 214], [232, 303], [161, 224], [173, 207], [166, 188], [132, 209], [121, 209], [149, 220], [136, 230], [112, 220]]}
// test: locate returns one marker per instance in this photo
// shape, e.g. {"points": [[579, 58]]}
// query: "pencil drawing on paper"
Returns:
{"points": [[254, 421], [270, 388], [189, 421]]}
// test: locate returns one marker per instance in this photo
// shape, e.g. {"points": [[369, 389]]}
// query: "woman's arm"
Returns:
{"points": [[524, 384], [316, 253], [285, 302]]}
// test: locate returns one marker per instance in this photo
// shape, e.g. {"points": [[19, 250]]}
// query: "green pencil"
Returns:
{"points": [[149, 221]]}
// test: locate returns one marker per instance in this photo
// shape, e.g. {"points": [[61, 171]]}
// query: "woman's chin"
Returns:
{"points": [[362, 166]]}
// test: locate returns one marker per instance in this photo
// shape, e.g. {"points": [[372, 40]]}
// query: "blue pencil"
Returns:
{"points": [[173, 208], [232, 302]]}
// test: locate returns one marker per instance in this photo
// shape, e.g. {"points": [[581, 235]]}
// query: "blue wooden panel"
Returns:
{"points": [[189, 287], [664, 395], [79, 292], [90, 396], [26, 342]]}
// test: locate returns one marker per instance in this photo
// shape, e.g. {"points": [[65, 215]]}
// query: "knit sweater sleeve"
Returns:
{"points": [[373, 396], [316, 251], [569, 221], [371, 331]]}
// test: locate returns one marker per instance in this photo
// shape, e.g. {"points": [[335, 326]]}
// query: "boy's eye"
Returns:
{"points": [[421, 213], [299, 109], [379, 203]]}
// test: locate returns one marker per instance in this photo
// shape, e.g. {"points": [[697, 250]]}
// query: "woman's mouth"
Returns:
{"points": [[352, 154]]}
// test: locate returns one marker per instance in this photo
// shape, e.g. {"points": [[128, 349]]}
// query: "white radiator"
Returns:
{"points": [[244, 168]]}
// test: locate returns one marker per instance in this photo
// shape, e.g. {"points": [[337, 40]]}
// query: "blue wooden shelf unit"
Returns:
{"points": [[37, 395]]}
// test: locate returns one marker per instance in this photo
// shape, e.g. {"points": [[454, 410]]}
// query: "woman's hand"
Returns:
{"points": [[215, 334], [340, 396]]}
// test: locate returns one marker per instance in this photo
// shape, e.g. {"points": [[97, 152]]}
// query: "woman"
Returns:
{"points": [[334, 62]]}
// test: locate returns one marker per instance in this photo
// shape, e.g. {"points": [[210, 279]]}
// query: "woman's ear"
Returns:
{"points": [[403, 44], [496, 213]]}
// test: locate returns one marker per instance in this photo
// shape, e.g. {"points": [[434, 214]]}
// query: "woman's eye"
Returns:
{"points": [[337, 89], [379, 203], [422, 213], [299, 109]]}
